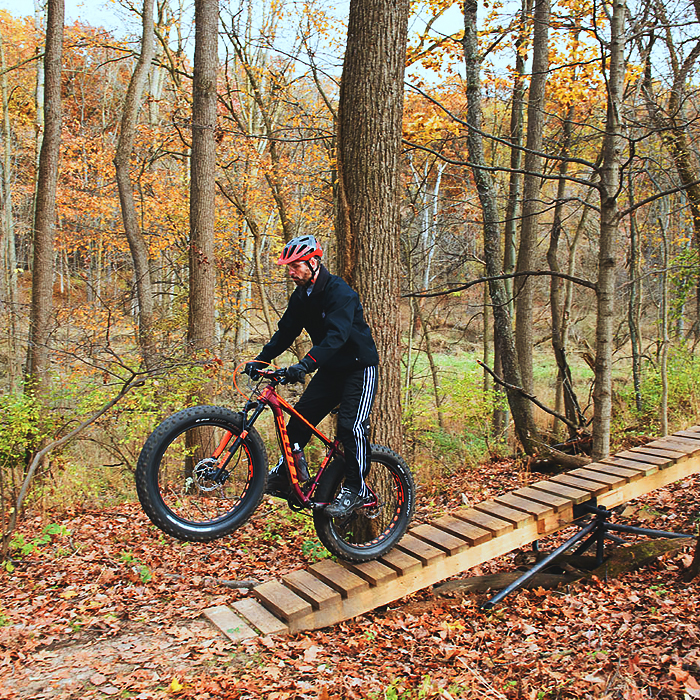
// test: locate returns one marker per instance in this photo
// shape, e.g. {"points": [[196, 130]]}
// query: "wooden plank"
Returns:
{"points": [[641, 457], [612, 480], [557, 503], [426, 553], [689, 434], [485, 521], [575, 495], [471, 534], [669, 455], [445, 541], [595, 488], [281, 601], [259, 616], [679, 444], [404, 564], [338, 577], [374, 572], [233, 626], [622, 472], [538, 510], [518, 518], [311, 589], [644, 468]]}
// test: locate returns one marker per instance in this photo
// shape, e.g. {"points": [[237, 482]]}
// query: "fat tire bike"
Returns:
{"points": [[203, 471]]}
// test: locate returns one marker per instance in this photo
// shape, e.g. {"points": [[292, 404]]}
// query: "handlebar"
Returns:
{"points": [[274, 376]]}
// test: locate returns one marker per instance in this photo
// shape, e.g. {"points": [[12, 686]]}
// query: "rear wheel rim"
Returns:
{"points": [[369, 527]]}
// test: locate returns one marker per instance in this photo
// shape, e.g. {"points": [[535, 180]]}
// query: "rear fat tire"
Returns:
{"points": [[185, 505], [361, 538]]}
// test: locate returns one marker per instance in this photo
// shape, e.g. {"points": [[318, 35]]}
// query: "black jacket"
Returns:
{"points": [[332, 316]]}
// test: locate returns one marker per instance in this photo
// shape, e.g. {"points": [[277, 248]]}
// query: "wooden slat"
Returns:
{"points": [[404, 564], [374, 572], [644, 468], [494, 525], [615, 470], [679, 444], [689, 434], [517, 518], [641, 457], [339, 578], [557, 503], [612, 480], [233, 626], [573, 494], [669, 455], [445, 541], [538, 510], [595, 488], [471, 534], [312, 589], [281, 601], [423, 551], [259, 616]]}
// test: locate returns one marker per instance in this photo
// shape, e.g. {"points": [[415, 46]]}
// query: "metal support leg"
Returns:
{"points": [[596, 531], [539, 566]]}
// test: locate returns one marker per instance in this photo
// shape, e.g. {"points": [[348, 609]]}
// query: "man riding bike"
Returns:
{"points": [[346, 358]]}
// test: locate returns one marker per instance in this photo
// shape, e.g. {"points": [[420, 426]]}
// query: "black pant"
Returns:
{"points": [[353, 392]]}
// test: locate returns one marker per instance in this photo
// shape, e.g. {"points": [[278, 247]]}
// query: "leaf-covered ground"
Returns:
{"points": [[101, 604]]}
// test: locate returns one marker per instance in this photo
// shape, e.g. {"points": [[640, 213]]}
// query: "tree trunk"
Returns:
{"points": [[369, 140], [45, 205], [516, 153], [634, 303], [520, 406], [200, 331], [524, 317], [609, 189], [125, 145], [7, 245], [565, 385]]}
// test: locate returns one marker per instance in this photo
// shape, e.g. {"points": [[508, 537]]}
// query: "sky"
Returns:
{"points": [[95, 12]]}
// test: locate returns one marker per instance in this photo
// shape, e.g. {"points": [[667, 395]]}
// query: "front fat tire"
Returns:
{"points": [[361, 538], [190, 509]]}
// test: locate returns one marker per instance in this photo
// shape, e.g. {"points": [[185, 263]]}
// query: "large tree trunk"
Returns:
{"points": [[127, 136], [200, 330], [609, 189], [520, 406], [524, 317], [45, 206], [369, 139]]}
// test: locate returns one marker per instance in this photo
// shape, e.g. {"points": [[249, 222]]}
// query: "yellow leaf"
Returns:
{"points": [[175, 686]]}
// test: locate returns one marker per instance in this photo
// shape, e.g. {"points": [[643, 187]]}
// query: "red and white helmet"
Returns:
{"points": [[300, 248]]}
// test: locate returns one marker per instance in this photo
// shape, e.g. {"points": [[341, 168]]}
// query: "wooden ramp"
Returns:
{"points": [[329, 592]]}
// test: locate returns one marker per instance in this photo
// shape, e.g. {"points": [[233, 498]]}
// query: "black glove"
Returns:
{"points": [[251, 368], [296, 373]]}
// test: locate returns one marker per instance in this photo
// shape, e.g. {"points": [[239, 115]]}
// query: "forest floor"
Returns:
{"points": [[101, 604]]}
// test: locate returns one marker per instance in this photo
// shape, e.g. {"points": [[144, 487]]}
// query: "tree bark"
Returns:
{"points": [[367, 225], [125, 146], [565, 385], [520, 406], [609, 188], [201, 325], [524, 290], [45, 205], [7, 245]]}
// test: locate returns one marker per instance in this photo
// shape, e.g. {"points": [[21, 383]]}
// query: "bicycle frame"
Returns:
{"points": [[269, 398]]}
